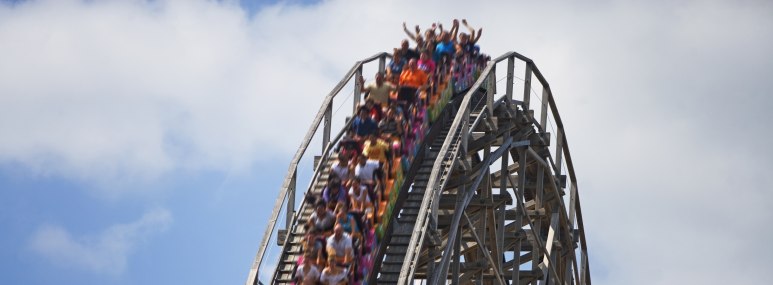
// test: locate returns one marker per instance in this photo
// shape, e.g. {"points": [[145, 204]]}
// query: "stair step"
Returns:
{"points": [[397, 241], [388, 277], [401, 235], [411, 210], [412, 204]]}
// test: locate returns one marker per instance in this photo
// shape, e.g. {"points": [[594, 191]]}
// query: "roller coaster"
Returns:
{"points": [[487, 193]]}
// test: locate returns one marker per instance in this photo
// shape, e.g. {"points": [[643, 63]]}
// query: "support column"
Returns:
{"points": [[539, 199], [466, 130], [326, 130], [549, 260], [455, 267], [291, 203], [570, 260], [382, 63], [559, 150], [519, 213], [510, 79], [357, 89], [543, 120], [491, 85], [503, 190], [431, 263], [527, 86], [584, 275]]}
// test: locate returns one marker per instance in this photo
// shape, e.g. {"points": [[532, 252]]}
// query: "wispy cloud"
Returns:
{"points": [[666, 105], [105, 252], [122, 92]]}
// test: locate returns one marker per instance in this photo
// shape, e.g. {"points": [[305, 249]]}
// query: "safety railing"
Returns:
{"points": [[460, 131], [288, 191]]}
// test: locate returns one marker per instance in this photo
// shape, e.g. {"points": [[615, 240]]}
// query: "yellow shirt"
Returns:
{"points": [[376, 151]]}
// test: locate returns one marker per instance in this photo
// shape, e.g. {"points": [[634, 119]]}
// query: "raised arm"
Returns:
{"points": [[454, 29], [473, 36], [362, 84], [408, 32], [480, 32]]}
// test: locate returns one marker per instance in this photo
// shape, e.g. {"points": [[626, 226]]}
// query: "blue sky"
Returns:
{"points": [[208, 234], [143, 142]]}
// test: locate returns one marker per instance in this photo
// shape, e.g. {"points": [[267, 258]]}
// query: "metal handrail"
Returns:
{"points": [[253, 276]]}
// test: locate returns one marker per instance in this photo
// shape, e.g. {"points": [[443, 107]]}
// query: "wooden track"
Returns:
{"points": [[487, 201]]}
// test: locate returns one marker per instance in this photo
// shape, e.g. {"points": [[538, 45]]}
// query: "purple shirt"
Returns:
{"points": [[327, 195]]}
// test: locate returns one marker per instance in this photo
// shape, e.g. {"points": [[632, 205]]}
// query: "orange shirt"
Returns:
{"points": [[412, 78]]}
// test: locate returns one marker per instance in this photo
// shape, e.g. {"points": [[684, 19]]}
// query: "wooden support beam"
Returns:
{"points": [[357, 88], [527, 85], [548, 258], [291, 201], [510, 78], [491, 86], [485, 251], [456, 266], [543, 115]]}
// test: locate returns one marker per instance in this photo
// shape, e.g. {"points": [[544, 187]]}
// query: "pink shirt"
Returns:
{"points": [[427, 65]]}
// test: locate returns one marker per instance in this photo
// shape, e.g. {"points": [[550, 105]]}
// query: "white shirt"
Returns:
{"points": [[313, 272], [365, 173], [323, 222], [340, 170], [328, 278], [341, 245], [363, 197]]}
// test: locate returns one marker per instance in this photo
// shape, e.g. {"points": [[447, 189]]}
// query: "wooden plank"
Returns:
{"points": [[327, 123], [548, 258], [357, 89], [543, 115], [483, 249], [491, 86], [510, 78], [527, 85]]}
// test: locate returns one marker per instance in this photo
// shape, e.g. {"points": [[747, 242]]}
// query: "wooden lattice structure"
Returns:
{"points": [[492, 197]]}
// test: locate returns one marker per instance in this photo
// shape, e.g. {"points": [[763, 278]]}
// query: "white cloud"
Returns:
{"points": [[106, 252], [666, 104], [114, 91]]}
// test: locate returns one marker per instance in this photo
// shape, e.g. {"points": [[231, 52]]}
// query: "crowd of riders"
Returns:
{"points": [[341, 239]]}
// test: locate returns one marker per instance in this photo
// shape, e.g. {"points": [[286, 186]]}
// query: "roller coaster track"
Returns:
{"points": [[464, 214]]}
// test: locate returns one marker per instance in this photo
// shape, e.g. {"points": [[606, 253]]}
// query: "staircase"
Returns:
{"points": [[395, 255], [401, 234], [292, 250]]}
